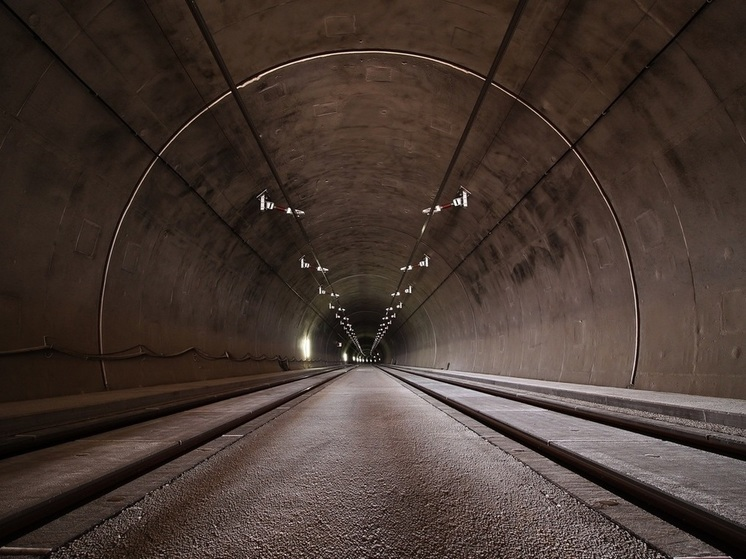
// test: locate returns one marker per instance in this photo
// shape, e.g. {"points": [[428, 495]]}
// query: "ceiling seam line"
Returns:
{"points": [[502, 48], [157, 157], [205, 101], [225, 71], [528, 77], [573, 148]]}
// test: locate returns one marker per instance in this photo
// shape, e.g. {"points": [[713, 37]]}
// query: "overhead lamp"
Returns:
{"points": [[425, 262], [400, 305], [266, 204], [303, 263], [321, 290], [406, 268], [408, 290], [461, 200], [396, 294], [321, 269]]}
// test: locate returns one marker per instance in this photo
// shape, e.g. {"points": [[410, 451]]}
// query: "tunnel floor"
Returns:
{"points": [[363, 468]]}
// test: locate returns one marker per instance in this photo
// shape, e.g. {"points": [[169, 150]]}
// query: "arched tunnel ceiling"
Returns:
{"points": [[362, 109], [362, 140]]}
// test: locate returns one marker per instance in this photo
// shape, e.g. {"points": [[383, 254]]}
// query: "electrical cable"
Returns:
{"points": [[145, 351]]}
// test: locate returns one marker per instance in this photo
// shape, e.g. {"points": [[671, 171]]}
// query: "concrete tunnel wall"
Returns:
{"points": [[603, 242]]}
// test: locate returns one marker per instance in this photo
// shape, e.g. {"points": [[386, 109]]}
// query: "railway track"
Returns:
{"points": [[21, 435], [52, 480], [700, 484], [694, 437], [42, 485]]}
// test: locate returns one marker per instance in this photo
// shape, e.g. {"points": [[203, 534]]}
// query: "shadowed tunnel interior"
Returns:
{"points": [[597, 234]]}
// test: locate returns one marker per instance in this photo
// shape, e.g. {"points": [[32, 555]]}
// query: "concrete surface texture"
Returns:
{"points": [[364, 468], [603, 242]]}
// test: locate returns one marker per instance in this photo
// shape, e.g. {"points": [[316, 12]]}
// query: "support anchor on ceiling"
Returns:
{"points": [[266, 204], [460, 201]]}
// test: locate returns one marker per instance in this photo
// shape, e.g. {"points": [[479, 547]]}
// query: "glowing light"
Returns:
{"points": [[305, 346]]}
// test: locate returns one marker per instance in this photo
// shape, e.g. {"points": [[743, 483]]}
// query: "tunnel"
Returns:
{"points": [[206, 190]]}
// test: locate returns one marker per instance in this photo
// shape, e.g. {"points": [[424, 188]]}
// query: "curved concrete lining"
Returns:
{"points": [[603, 242]]}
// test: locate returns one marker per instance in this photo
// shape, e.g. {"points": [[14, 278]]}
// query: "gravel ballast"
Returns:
{"points": [[364, 468]]}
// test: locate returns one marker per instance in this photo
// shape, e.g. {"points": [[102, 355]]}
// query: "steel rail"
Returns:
{"points": [[681, 434], [16, 442], [719, 530], [35, 515]]}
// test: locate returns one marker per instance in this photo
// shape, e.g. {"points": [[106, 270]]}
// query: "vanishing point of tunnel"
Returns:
{"points": [[540, 189]]}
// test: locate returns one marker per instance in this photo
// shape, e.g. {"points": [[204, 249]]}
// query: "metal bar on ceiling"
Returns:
{"points": [[212, 45], [507, 37]]}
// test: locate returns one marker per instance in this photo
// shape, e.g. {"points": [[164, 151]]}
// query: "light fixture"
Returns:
{"points": [[303, 263], [305, 345], [266, 204], [461, 200]]}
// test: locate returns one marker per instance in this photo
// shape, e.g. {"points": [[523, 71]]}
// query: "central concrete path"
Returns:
{"points": [[363, 468]]}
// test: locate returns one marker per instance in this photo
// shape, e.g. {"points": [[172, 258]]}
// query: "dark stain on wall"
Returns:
{"points": [[578, 224], [556, 247], [525, 268], [476, 291]]}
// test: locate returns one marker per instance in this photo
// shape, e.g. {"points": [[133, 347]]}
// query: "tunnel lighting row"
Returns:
{"points": [[339, 311], [265, 204], [390, 315], [460, 201], [373, 358], [344, 322], [347, 327]]}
